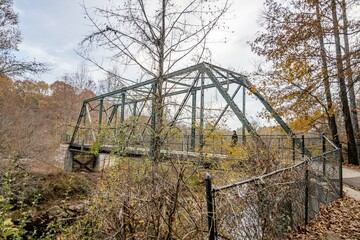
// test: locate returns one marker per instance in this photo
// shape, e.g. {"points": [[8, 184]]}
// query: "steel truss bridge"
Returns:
{"points": [[121, 121]]}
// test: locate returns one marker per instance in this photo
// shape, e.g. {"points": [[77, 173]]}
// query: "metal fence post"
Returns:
{"points": [[306, 207], [293, 148], [187, 143], [210, 207], [302, 146], [340, 171], [341, 156]]}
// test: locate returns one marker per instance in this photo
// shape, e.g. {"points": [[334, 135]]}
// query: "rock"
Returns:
{"points": [[54, 211], [332, 236], [76, 207]]}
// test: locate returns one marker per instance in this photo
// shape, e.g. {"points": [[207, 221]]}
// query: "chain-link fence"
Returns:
{"points": [[271, 205]]}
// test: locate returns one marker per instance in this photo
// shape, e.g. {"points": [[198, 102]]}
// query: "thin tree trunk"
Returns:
{"points": [[158, 96], [352, 151], [349, 75], [329, 102]]}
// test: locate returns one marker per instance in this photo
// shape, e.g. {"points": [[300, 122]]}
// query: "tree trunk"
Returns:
{"points": [[159, 98], [349, 75], [352, 151], [329, 102]]}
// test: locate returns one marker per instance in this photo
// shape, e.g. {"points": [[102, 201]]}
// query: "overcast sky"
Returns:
{"points": [[51, 30]]}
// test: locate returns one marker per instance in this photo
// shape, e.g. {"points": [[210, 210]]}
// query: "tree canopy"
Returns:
{"points": [[313, 50]]}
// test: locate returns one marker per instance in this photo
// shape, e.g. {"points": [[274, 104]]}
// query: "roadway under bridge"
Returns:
{"points": [[197, 100]]}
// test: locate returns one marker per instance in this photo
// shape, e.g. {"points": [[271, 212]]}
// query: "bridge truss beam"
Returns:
{"points": [[133, 106]]}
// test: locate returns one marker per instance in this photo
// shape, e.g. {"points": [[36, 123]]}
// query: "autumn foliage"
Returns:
{"points": [[312, 48], [34, 115]]}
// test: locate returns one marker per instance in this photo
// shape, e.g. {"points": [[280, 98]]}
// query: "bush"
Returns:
{"points": [[25, 199], [139, 199], [15, 205]]}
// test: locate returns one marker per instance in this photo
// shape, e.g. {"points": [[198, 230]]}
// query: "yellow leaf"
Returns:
{"points": [[8, 222]]}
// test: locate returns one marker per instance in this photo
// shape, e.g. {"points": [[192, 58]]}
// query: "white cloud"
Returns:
{"points": [[52, 29], [58, 65]]}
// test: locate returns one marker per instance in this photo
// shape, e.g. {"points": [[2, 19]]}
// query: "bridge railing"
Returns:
{"points": [[273, 204], [111, 137]]}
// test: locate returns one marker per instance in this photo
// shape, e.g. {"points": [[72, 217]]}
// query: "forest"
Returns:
{"points": [[314, 49], [35, 115]]}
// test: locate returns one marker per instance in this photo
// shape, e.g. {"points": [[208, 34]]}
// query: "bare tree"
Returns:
{"points": [[349, 72], [10, 38], [71, 90], [80, 80], [111, 82], [154, 36], [352, 151], [326, 77]]}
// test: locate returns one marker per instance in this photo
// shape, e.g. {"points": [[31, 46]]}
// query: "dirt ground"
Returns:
{"points": [[339, 220]]}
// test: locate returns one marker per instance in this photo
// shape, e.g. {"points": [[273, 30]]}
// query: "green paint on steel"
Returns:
{"points": [[243, 103], [134, 109], [193, 120], [226, 107], [148, 82], [243, 80], [202, 103], [232, 104], [217, 82], [77, 126], [271, 110], [170, 94], [178, 83], [137, 119], [223, 112], [122, 113], [185, 99], [100, 113], [113, 113]]}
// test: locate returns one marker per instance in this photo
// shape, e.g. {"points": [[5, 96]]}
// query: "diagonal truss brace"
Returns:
{"points": [[243, 81], [223, 112], [186, 98], [232, 104]]}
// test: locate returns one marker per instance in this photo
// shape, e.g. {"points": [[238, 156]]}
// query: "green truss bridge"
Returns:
{"points": [[197, 100]]}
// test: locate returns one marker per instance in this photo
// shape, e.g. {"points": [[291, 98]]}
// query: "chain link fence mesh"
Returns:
{"points": [[271, 205]]}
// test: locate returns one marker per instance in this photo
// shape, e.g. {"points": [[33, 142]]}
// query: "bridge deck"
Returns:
{"points": [[140, 151]]}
